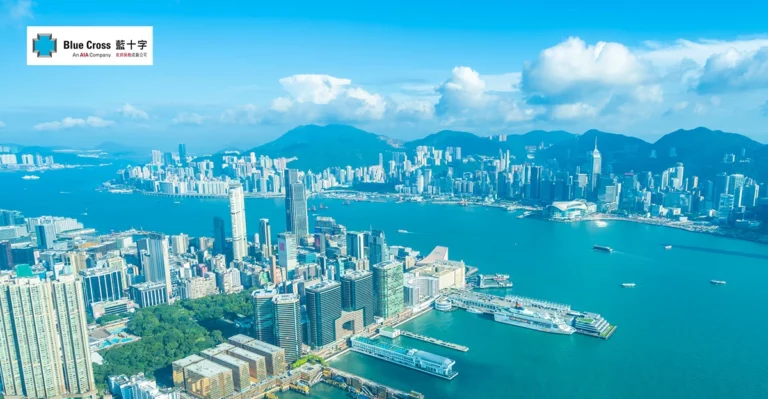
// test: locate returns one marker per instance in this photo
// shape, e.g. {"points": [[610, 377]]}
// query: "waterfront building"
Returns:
{"points": [[149, 294], [388, 288], [102, 284], [287, 252], [591, 323], [288, 325], [357, 294], [208, 380], [297, 220], [377, 248], [264, 314], [219, 236], [323, 309], [355, 244], [423, 361], [274, 356], [237, 212], [157, 268], [240, 370], [570, 210], [449, 274], [43, 339], [265, 232]]}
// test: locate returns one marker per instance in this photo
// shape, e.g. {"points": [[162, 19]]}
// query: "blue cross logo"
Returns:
{"points": [[44, 45]]}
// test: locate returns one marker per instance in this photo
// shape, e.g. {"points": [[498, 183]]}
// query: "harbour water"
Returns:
{"points": [[678, 335]]}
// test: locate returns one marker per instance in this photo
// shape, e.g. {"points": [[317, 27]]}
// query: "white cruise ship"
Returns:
{"points": [[535, 320]]}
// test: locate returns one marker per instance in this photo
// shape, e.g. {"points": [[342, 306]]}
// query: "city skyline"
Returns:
{"points": [[469, 70]]}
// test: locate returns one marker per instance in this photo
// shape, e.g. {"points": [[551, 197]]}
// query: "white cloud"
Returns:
{"points": [[734, 71], [463, 91], [245, 115], [573, 111], [322, 98], [665, 56], [414, 110], [19, 9], [69, 122], [129, 111], [572, 69], [184, 118], [506, 82]]}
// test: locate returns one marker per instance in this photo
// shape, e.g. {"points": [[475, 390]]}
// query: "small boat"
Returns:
{"points": [[176, 202], [717, 282], [30, 177], [628, 285], [601, 248], [403, 231], [474, 310], [667, 247], [600, 223]]}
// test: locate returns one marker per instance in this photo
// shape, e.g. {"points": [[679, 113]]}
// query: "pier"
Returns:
{"points": [[362, 386], [434, 341]]}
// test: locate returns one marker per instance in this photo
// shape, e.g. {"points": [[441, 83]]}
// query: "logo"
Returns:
{"points": [[44, 45]]}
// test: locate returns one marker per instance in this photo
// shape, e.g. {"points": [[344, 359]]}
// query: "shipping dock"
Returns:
{"points": [[529, 313], [392, 333], [426, 362], [481, 281]]}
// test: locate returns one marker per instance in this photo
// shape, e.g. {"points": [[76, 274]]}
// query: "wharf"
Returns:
{"points": [[434, 341], [359, 385]]}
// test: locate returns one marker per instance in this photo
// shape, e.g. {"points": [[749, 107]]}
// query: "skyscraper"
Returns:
{"points": [[43, 339], [46, 234], [219, 236], [377, 248], [287, 251], [237, 211], [355, 244], [102, 284], [357, 293], [323, 309], [288, 325], [6, 256], [388, 288], [596, 167], [265, 233], [296, 219], [264, 315], [158, 268], [183, 154]]}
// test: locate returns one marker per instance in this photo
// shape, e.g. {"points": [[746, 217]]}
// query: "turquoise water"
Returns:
{"points": [[678, 336]]}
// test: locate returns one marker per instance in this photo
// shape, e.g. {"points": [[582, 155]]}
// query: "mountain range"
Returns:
{"points": [[701, 150]]}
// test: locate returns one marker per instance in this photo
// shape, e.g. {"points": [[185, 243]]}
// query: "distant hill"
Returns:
{"points": [[318, 147], [470, 143]]}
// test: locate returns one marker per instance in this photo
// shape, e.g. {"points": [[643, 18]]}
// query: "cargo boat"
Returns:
{"points": [[601, 248]]}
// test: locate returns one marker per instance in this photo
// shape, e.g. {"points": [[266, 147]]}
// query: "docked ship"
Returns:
{"points": [[535, 320], [602, 248]]}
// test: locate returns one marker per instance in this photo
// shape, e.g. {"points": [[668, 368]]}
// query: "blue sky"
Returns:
{"points": [[404, 69]]}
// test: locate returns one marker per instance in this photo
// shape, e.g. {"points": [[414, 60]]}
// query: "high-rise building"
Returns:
{"points": [[44, 349], [219, 236], [180, 244], [149, 294], [265, 233], [596, 167], [46, 234], [388, 288], [297, 220], [288, 325], [287, 252], [183, 154], [323, 309], [6, 256], [264, 314], [357, 293], [102, 284], [355, 244], [237, 211], [158, 266], [377, 248]]}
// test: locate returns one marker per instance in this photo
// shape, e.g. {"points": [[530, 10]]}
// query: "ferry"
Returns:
{"points": [[403, 231], [667, 247], [717, 282], [602, 248], [535, 320], [474, 310], [628, 285], [30, 177]]}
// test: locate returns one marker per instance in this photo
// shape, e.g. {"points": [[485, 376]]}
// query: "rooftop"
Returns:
{"points": [[187, 361], [206, 368], [245, 354]]}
